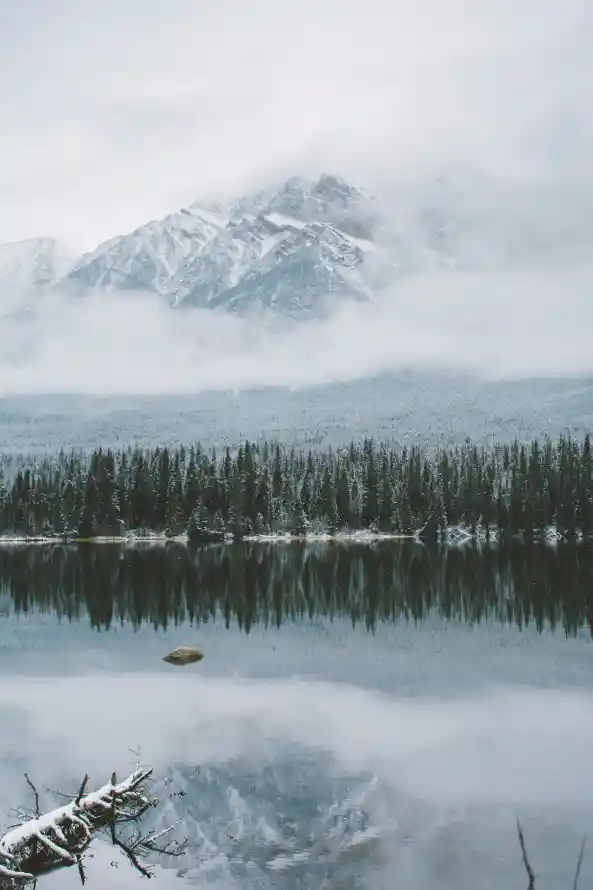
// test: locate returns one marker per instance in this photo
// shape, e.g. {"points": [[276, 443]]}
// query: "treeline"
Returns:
{"points": [[266, 488], [252, 585]]}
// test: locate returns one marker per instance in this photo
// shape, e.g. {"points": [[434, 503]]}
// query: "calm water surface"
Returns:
{"points": [[364, 716]]}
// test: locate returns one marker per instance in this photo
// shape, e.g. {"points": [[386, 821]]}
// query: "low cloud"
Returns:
{"points": [[496, 324], [105, 127]]}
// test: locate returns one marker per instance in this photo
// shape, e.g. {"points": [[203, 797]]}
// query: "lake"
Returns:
{"points": [[365, 716]]}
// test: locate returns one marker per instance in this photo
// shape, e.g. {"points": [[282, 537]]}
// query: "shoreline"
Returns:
{"points": [[455, 536], [159, 538]]}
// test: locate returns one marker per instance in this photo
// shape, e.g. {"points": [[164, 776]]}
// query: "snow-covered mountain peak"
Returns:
{"points": [[34, 263], [306, 242], [149, 258], [215, 214], [287, 247], [329, 200]]}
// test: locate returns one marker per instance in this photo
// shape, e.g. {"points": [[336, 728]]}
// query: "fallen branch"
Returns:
{"points": [[45, 842]]}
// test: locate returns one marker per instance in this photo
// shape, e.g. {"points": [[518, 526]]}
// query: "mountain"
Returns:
{"points": [[151, 257], [34, 263], [299, 248], [287, 249]]}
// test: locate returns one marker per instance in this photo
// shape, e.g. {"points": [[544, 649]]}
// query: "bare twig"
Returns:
{"points": [[148, 843], [36, 794], [82, 788], [117, 842], [63, 794], [81, 870], [136, 753], [579, 863], [526, 863]]}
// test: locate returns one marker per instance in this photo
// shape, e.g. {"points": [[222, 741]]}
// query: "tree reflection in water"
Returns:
{"points": [[259, 583]]}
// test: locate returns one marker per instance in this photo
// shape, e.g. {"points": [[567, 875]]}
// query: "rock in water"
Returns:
{"points": [[183, 655]]}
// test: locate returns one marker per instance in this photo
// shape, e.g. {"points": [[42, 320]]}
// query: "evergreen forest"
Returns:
{"points": [[265, 488]]}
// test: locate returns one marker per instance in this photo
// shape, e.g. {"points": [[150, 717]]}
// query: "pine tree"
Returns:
{"points": [[88, 525], [343, 513]]}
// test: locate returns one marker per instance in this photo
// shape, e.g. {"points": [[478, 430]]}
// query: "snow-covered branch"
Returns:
{"points": [[58, 838]]}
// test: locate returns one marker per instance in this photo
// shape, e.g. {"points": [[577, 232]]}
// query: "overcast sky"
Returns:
{"points": [[115, 112]]}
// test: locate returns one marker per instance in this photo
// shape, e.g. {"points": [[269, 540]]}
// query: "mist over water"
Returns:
{"points": [[414, 779], [314, 753]]}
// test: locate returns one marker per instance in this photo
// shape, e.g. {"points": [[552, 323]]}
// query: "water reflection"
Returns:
{"points": [[255, 583]]}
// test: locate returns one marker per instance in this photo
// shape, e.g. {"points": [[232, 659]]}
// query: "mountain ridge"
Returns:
{"points": [[286, 248], [302, 246], [34, 262]]}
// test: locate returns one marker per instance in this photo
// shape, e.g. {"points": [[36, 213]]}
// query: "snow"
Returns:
{"points": [[268, 244], [220, 255], [240, 265], [34, 262], [361, 243], [151, 257], [214, 219], [224, 256], [277, 219], [73, 812]]}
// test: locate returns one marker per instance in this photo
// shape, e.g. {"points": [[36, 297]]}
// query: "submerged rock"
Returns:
{"points": [[183, 655]]}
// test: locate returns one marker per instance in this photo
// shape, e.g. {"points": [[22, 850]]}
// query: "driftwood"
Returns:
{"points": [[42, 843]]}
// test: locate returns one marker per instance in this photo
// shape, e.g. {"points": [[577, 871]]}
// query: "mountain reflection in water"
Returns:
{"points": [[366, 715]]}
